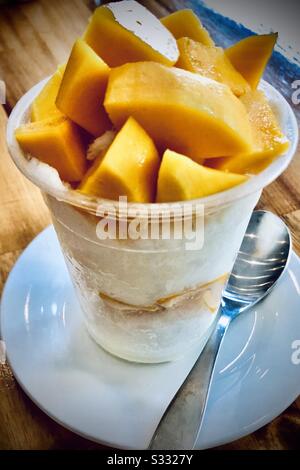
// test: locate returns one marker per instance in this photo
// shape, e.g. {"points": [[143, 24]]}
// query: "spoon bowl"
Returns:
{"points": [[261, 260]]}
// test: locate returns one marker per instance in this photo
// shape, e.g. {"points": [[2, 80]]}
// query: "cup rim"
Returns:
{"points": [[62, 192]]}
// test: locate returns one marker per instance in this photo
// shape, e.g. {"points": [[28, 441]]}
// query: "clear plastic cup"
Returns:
{"points": [[150, 300]]}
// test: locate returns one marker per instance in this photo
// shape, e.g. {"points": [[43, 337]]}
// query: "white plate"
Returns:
{"points": [[118, 403]]}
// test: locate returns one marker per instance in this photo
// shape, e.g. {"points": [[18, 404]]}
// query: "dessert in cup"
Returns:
{"points": [[151, 146]]}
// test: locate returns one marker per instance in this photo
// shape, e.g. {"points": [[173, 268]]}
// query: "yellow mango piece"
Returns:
{"points": [[82, 90], [129, 167], [211, 62], [122, 32], [181, 179], [44, 105], [61, 69], [251, 56], [185, 24], [268, 138], [57, 142], [180, 110]]}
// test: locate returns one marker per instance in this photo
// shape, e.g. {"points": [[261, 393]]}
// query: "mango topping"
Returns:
{"points": [[153, 110], [82, 89], [211, 62], [181, 179], [251, 55], [185, 24], [180, 110], [129, 167], [57, 142], [122, 32], [269, 141], [44, 105]]}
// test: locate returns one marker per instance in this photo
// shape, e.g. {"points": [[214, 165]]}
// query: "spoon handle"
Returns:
{"points": [[180, 425]]}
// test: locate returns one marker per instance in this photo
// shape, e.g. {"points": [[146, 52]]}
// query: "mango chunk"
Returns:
{"points": [[122, 32], [180, 110], [185, 24], [269, 140], [82, 90], [251, 56], [44, 105], [57, 142], [181, 179], [129, 167], [211, 62]]}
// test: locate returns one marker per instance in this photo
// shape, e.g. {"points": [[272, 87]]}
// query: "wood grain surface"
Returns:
{"points": [[34, 38]]}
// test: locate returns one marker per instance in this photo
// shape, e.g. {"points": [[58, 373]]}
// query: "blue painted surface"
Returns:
{"points": [[281, 73]]}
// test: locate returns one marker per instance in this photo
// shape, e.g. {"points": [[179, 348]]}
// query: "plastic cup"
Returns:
{"points": [[150, 300]]}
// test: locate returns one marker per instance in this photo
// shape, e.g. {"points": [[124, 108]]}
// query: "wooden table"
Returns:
{"points": [[34, 38]]}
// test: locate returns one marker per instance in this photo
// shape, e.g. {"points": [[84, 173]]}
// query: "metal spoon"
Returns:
{"points": [[261, 261]]}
